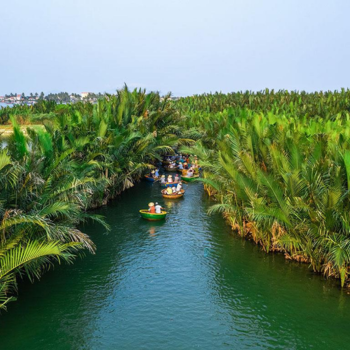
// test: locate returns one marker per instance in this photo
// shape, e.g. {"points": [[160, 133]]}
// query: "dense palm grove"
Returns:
{"points": [[83, 156], [276, 163]]}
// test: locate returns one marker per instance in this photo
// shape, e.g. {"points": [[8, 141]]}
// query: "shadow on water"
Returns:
{"points": [[184, 283]]}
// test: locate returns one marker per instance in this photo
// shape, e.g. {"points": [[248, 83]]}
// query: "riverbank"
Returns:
{"points": [[280, 171]]}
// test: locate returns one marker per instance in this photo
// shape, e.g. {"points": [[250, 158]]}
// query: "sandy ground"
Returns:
{"points": [[6, 130]]}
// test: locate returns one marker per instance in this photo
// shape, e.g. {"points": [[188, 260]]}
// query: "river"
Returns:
{"points": [[5, 105], [186, 283]]}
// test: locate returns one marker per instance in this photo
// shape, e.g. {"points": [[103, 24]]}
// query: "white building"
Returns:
{"points": [[85, 94]]}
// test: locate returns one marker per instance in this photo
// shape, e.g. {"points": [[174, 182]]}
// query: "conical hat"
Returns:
{"points": [[151, 204]]}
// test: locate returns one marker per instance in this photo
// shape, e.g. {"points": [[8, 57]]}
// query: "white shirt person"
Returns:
{"points": [[178, 187], [158, 208]]}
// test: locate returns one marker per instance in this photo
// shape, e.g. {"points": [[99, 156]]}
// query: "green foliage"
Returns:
{"points": [[278, 165], [83, 156]]}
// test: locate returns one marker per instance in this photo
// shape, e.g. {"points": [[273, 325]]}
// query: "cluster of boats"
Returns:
{"points": [[172, 188]]}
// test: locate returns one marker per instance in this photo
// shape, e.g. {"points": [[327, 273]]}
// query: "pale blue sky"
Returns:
{"points": [[183, 46]]}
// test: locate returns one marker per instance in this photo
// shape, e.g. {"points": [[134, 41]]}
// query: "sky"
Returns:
{"points": [[183, 46]]}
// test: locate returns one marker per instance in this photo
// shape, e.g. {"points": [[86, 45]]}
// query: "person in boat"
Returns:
{"points": [[156, 173], [195, 169], [174, 189], [180, 166], [162, 179], [169, 190], [170, 179], [152, 173], [151, 208], [185, 166], [165, 191], [158, 208], [179, 187], [190, 172], [177, 178]]}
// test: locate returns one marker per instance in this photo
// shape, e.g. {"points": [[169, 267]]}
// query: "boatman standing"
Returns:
{"points": [[179, 187]]}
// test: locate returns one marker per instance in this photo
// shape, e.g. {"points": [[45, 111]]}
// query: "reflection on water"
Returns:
{"points": [[152, 231], [182, 283]]}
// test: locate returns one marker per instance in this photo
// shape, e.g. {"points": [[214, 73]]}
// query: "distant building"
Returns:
{"points": [[85, 94]]}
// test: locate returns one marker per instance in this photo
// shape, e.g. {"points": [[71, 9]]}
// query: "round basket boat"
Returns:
{"points": [[150, 178], [189, 179], [152, 216], [175, 195], [171, 184], [165, 162]]}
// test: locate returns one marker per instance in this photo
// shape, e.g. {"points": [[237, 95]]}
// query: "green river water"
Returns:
{"points": [[186, 283]]}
